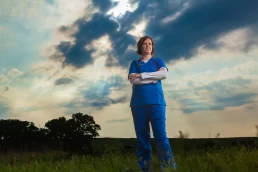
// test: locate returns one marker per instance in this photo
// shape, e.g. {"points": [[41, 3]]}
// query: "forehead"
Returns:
{"points": [[147, 40]]}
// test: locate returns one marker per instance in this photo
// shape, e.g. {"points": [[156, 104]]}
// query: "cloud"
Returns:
{"points": [[62, 81], [235, 100], [100, 91], [195, 26], [191, 24], [104, 5], [216, 95], [102, 88], [100, 103], [238, 40], [118, 120], [75, 54], [98, 94], [14, 73]]}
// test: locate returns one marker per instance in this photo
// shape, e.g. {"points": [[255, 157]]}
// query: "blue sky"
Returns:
{"points": [[63, 57]]}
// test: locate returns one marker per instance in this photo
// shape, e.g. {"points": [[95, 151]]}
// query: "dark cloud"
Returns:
{"points": [[97, 104], [200, 24], [235, 100], [104, 5], [218, 102], [100, 103], [102, 88], [118, 120], [97, 95], [77, 55], [192, 105], [223, 94], [227, 86], [62, 81]]}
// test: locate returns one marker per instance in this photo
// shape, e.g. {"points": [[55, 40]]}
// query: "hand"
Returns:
{"points": [[134, 76]]}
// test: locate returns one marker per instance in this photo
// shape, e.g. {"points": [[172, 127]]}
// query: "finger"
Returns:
{"points": [[131, 76]]}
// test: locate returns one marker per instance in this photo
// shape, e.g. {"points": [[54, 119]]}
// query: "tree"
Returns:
{"points": [[76, 132], [217, 136], [16, 133], [81, 129], [57, 128], [183, 135], [256, 126]]}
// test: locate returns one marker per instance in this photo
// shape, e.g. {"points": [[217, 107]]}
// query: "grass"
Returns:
{"points": [[227, 160]]}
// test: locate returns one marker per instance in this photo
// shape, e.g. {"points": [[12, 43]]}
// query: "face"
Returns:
{"points": [[147, 46]]}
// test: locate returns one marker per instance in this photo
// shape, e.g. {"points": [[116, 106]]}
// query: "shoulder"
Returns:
{"points": [[133, 61], [159, 59]]}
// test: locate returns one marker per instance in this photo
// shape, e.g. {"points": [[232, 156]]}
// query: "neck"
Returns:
{"points": [[146, 57]]}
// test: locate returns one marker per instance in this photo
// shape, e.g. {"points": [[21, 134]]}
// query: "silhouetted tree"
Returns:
{"points": [[57, 128], [76, 132], [81, 129], [183, 135], [217, 136], [16, 133], [256, 126]]}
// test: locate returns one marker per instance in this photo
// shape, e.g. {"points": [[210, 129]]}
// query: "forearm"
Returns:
{"points": [[159, 75], [139, 81]]}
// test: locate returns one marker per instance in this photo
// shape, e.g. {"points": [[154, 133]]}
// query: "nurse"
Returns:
{"points": [[148, 105]]}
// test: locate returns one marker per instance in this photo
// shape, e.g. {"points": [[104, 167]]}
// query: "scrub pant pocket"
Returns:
{"points": [[156, 115]]}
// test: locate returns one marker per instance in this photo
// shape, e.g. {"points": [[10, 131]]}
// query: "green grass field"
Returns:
{"points": [[232, 159]]}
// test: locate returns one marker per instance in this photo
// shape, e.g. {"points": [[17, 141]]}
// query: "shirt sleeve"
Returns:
{"points": [[162, 63], [159, 75], [132, 68]]}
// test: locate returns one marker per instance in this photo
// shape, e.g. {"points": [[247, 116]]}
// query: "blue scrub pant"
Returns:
{"points": [[156, 115]]}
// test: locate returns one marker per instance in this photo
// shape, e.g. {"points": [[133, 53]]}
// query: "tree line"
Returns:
{"points": [[72, 134]]}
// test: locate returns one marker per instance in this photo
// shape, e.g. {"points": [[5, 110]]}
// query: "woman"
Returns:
{"points": [[148, 105]]}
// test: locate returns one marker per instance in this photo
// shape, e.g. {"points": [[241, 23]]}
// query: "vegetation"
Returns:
{"points": [[74, 134], [71, 145], [256, 126], [232, 159]]}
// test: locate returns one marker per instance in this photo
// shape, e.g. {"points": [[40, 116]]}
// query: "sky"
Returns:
{"points": [[61, 57]]}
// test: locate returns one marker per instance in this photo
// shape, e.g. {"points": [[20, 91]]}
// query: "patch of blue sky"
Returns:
{"points": [[21, 42]]}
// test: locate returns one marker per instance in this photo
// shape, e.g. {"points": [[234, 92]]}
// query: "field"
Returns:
{"points": [[235, 159]]}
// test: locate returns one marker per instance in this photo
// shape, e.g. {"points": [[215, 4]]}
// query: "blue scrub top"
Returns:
{"points": [[147, 94]]}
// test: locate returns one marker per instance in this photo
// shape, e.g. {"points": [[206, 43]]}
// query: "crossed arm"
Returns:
{"points": [[148, 77]]}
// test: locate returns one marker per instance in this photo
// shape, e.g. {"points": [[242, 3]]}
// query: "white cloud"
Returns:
{"points": [[237, 40], [138, 29], [173, 17], [102, 46], [14, 73], [67, 12], [121, 8], [25, 9]]}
